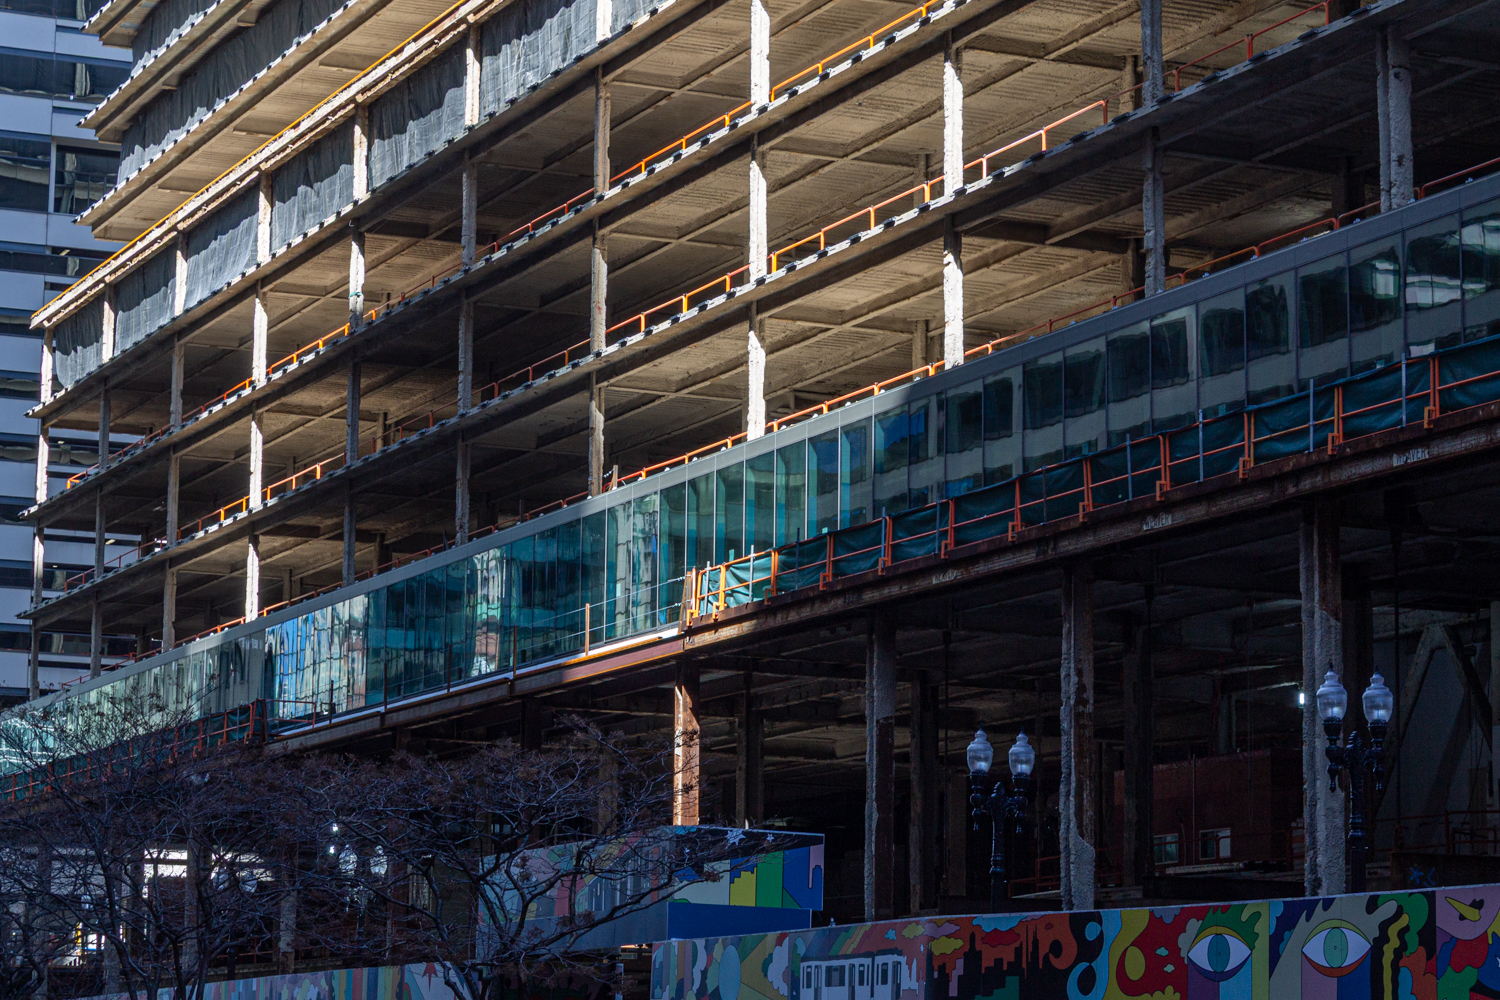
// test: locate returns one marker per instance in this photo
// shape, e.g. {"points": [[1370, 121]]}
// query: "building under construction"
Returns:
{"points": [[826, 378]]}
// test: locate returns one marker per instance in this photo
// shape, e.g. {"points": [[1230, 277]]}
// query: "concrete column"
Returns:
{"points": [[252, 578], [469, 227], [461, 492], [1153, 209], [179, 350], [1076, 801], [1140, 774], [43, 459], [758, 253], [760, 53], [263, 204], [953, 178], [755, 375], [96, 638], [349, 532], [49, 361], [104, 413], [880, 767], [99, 536], [603, 20], [179, 285], [1397, 114], [599, 253], [749, 777], [473, 50], [685, 736], [169, 610], [260, 332], [257, 458], [465, 355], [107, 333], [918, 343], [357, 276], [596, 436], [38, 576], [1322, 650], [926, 777], [361, 152], [351, 414], [1130, 80], [1383, 115], [1153, 73]]}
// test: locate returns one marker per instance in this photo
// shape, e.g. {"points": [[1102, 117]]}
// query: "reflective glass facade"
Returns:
{"points": [[613, 567]]}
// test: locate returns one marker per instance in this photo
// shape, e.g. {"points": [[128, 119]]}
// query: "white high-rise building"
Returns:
{"points": [[51, 74]]}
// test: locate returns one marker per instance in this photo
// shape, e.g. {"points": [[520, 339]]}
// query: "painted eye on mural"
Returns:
{"points": [[1335, 948], [1217, 954]]}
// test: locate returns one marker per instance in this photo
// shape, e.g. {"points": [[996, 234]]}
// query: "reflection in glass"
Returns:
{"points": [[854, 474], [1434, 283], [1481, 271], [1083, 398], [925, 473], [729, 513], [1174, 398], [760, 502], [1002, 446], [823, 467], [1221, 353], [892, 453], [700, 521], [1129, 354], [791, 500], [1271, 365], [1322, 321], [963, 416], [1375, 305]]}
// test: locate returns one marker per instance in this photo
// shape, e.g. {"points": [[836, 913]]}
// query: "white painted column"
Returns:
{"points": [[257, 458], [953, 178], [758, 247], [1322, 650], [260, 333], [107, 333], [760, 53], [48, 368], [1076, 799]]}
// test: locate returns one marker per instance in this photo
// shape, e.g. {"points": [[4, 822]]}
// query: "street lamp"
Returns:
{"points": [[1006, 807], [1355, 757]]}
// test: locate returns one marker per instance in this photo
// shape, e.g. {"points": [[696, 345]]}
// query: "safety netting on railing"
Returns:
{"points": [[1412, 391]]}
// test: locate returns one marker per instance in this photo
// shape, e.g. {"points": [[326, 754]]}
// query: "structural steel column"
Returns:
{"points": [[685, 741], [356, 277], [1395, 128], [1076, 801], [926, 800], [880, 767], [1140, 725], [953, 178], [749, 779], [1322, 650], [596, 436], [179, 351]]}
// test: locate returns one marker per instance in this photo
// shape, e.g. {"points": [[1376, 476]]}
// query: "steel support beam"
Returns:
{"points": [[686, 774]]}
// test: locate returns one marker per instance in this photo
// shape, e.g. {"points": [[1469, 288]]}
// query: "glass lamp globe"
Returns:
{"points": [[1022, 757], [981, 754], [1333, 700], [1378, 701]]}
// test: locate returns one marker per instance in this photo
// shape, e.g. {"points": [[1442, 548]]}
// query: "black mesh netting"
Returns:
{"points": [[417, 116], [314, 184], [220, 248]]}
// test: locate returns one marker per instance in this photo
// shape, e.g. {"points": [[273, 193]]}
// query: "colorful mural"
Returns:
{"points": [[1439, 944]]}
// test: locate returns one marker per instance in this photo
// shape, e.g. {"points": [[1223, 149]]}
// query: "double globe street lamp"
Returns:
{"points": [[1356, 757], [1006, 807]]}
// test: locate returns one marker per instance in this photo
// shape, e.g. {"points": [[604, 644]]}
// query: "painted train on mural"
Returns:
{"points": [[1425, 945]]}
